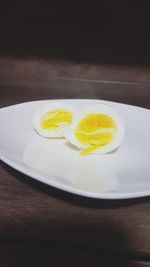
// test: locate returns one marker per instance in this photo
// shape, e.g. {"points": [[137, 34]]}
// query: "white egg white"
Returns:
{"points": [[102, 109], [49, 107]]}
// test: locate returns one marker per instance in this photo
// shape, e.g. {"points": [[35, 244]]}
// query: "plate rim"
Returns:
{"points": [[103, 195]]}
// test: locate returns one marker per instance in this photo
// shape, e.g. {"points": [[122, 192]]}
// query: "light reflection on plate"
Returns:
{"points": [[93, 173]]}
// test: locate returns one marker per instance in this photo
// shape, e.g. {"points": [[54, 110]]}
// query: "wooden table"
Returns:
{"points": [[42, 226]]}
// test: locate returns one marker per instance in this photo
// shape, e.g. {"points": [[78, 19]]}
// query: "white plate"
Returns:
{"points": [[122, 174]]}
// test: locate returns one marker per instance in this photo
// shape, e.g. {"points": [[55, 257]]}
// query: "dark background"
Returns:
{"points": [[107, 32]]}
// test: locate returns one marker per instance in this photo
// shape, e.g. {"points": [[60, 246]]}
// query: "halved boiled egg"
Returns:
{"points": [[97, 129], [52, 119]]}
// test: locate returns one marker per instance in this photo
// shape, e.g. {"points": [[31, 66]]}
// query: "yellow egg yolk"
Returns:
{"points": [[54, 119], [94, 131]]}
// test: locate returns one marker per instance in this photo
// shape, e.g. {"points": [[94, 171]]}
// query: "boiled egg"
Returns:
{"points": [[96, 129], [52, 119]]}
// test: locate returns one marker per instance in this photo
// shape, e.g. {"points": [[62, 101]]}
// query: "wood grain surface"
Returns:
{"points": [[33, 256], [32, 213]]}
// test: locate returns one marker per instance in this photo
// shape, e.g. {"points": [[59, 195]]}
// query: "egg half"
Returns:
{"points": [[52, 119], [97, 129]]}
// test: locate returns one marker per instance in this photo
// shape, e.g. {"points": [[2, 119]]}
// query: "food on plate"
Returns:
{"points": [[96, 129], [52, 119]]}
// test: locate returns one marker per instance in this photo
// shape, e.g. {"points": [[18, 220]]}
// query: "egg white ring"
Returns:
{"points": [[59, 132], [101, 109]]}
